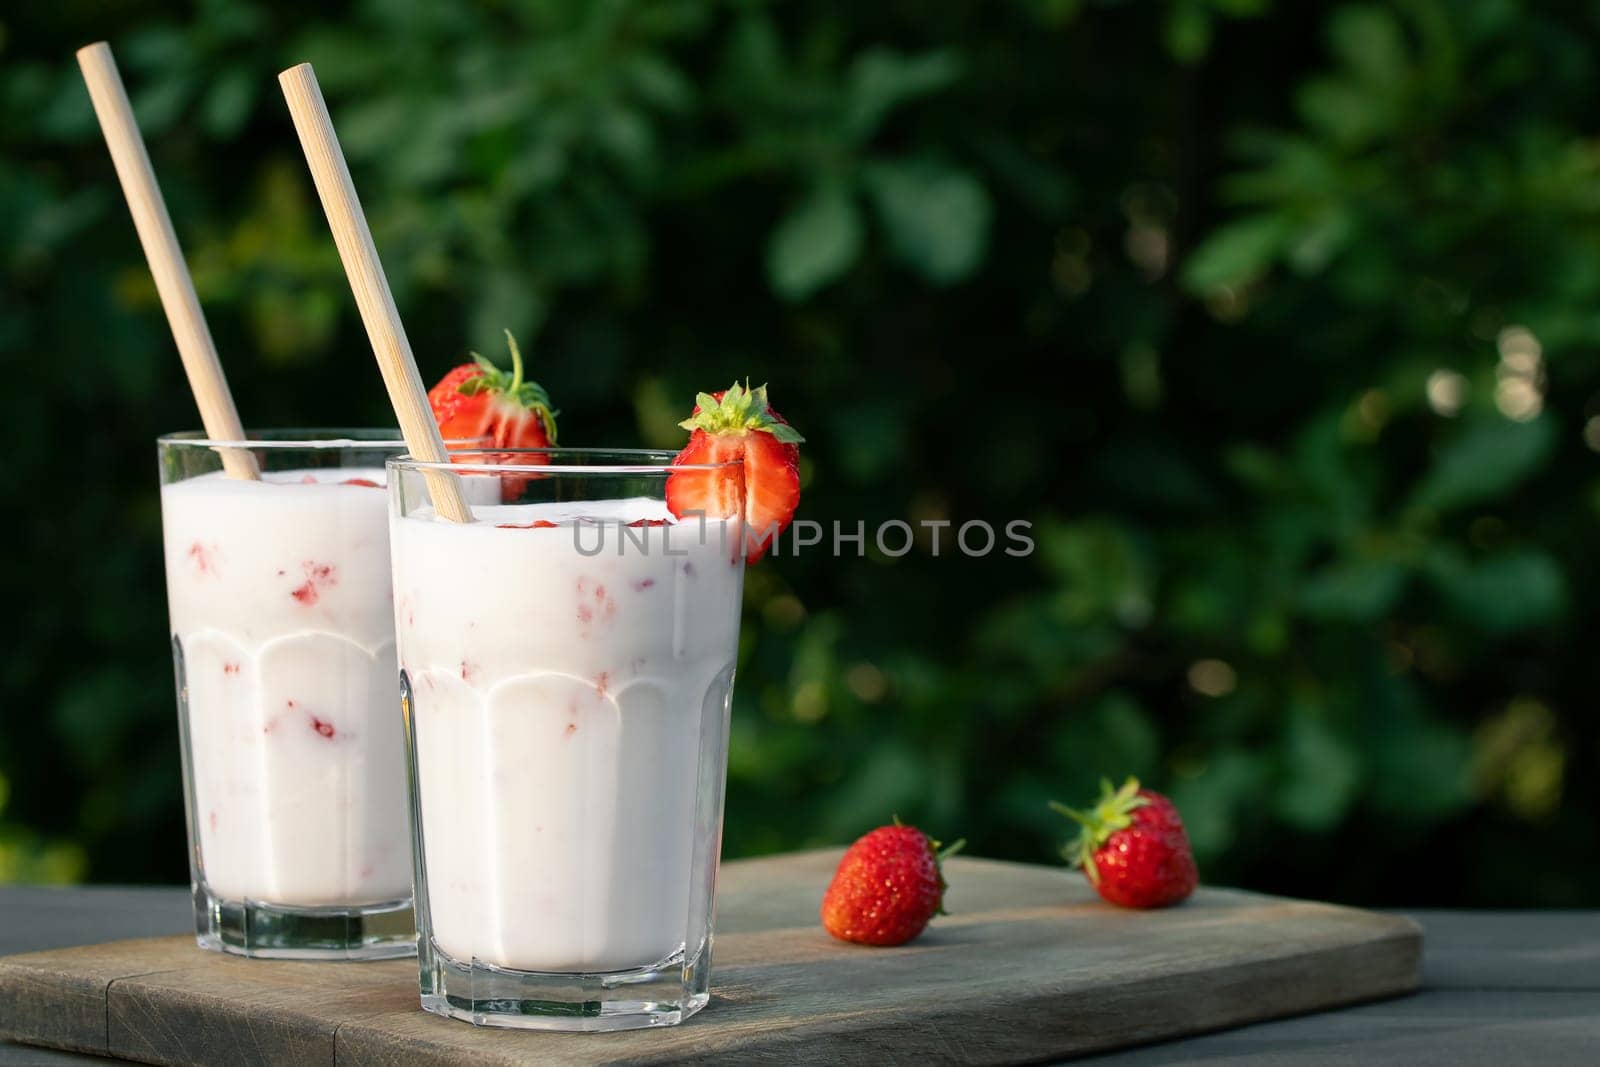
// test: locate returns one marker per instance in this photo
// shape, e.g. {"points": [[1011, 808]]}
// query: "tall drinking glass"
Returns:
{"points": [[283, 639], [567, 664]]}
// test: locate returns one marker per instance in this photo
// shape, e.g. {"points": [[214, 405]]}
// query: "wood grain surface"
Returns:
{"points": [[1028, 966]]}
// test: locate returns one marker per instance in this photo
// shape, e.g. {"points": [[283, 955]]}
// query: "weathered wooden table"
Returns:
{"points": [[1498, 988]]}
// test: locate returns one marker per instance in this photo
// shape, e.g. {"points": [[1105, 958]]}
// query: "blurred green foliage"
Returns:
{"points": [[1280, 321]]}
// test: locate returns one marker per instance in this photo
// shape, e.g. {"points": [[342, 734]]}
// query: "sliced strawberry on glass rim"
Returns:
{"points": [[739, 425], [478, 401]]}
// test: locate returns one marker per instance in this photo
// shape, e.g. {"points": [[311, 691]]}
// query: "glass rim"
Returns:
{"points": [[614, 461], [315, 437]]}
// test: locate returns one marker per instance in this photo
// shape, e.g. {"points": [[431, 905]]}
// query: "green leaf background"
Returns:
{"points": [[1279, 322]]}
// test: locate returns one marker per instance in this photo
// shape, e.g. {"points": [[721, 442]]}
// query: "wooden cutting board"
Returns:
{"points": [[1028, 966]]}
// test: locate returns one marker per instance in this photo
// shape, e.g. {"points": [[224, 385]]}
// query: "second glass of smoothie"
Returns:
{"points": [[282, 632], [567, 666]]}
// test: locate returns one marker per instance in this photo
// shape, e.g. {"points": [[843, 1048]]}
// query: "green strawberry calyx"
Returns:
{"points": [[740, 410], [940, 854], [527, 394], [1113, 812]]}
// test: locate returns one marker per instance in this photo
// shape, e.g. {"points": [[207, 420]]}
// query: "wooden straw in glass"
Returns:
{"points": [[199, 354], [370, 286]]}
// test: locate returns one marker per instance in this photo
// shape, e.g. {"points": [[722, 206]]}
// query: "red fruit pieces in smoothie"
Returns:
{"points": [[202, 557], [318, 577], [594, 603]]}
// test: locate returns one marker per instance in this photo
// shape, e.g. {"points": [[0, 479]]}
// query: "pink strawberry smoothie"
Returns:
{"points": [[566, 709], [280, 602]]}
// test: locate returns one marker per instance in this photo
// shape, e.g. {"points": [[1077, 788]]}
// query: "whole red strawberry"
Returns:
{"points": [[1133, 847], [738, 425], [887, 887]]}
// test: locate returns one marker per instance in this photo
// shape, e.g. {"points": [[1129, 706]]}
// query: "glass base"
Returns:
{"points": [[662, 994], [281, 932]]}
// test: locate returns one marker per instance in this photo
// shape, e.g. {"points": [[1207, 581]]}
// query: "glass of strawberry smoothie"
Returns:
{"points": [[282, 629], [567, 663]]}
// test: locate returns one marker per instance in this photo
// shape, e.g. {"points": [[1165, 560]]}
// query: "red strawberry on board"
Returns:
{"points": [[738, 424], [887, 887], [1133, 847]]}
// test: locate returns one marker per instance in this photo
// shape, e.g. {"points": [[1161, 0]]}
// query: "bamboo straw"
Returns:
{"points": [[371, 288], [176, 288]]}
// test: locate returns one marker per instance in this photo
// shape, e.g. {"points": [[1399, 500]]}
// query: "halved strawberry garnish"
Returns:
{"points": [[738, 424], [478, 400]]}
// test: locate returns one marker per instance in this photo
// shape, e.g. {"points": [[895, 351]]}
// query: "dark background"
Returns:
{"points": [[1280, 322]]}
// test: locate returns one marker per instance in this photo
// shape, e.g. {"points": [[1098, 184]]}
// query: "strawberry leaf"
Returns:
{"points": [[740, 410], [1113, 812], [785, 433]]}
